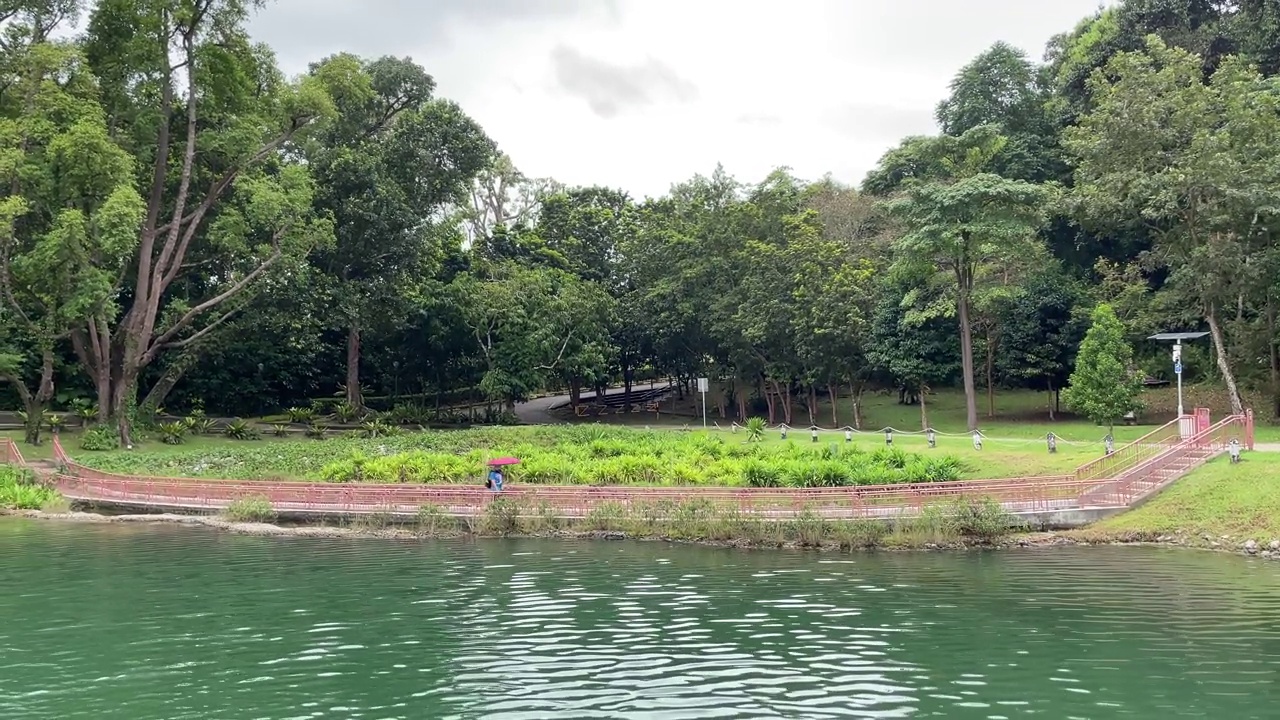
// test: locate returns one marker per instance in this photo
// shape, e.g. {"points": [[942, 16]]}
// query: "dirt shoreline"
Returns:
{"points": [[1075, 538]]}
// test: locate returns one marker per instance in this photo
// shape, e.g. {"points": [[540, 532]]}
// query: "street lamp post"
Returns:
{"points": [[1184, 427]]}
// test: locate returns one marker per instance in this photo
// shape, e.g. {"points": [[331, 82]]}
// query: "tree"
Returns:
{"points": [[1195, 163], [960, 219], [210, 120], [386, 164], [1104, 386], [915, 350], [1042, 332], [68, 218]]}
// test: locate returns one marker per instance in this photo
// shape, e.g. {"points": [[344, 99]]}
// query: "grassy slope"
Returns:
{"points": [[1218, 499]]}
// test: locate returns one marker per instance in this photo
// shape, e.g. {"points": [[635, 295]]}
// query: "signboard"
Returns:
{"points": [[1177, 368], [703, 385]]}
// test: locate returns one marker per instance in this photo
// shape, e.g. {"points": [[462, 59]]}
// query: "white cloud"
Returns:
{"points": [[639, 94]]}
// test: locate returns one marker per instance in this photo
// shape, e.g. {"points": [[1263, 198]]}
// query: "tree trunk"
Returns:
{"points": [[855, 392], [811, 403], [1052, 400], [575, 391], [924, 410], [1273, 353], [627, 374], [354, 397], [768, 400], [991, 364], [786, 399], [833, 395], [1224, 365], [966, 355], [168, 380]]}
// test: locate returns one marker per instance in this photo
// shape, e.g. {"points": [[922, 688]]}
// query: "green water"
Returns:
{"points": [[142, 623]]}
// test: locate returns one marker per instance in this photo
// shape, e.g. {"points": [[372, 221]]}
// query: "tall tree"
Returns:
{"points": [[69, 214], [1195, 162], [209, 117], [961, 219], [386, 165]]}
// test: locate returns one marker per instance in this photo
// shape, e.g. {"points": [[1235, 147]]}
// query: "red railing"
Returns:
{"points": [[1116, 480], [1036, 495], [1154, 443], [12, 455], [1142, 479]]}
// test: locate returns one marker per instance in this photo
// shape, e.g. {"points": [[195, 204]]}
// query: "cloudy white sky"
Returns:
{"points": [[639, 94]]}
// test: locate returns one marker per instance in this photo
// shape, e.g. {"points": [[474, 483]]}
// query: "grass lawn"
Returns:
{"points": [[1240, 501], [1018, 414]]}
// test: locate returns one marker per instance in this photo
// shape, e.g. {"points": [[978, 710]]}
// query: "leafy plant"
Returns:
{"points": [[376, 429], [21, 490], [301, 414], [755, 429], [200, 425], [173, 433], [254, 508], [345, 412], [101, 438], [316, 431], [55, 423], [279, 430], [87, 414], [238, 429]]}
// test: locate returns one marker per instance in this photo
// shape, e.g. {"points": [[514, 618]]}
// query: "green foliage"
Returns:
{"points": [[300, 414], [250, 509], [55, 422], [571, 456], [173, 433], [201, 425], [345, 412], [316, 431], [20, 490], [238, 429], [100, 438], [1104, 385], [280, 430], [755, 427]]}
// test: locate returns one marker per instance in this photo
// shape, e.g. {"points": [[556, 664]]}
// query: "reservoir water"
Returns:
{"points": [[165, 623]]}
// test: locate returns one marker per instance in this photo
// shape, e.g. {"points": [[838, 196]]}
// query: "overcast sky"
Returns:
{"points": [[640, 94]]}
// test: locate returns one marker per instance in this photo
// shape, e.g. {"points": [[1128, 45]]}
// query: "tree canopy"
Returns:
{"points": [[182, 224]]}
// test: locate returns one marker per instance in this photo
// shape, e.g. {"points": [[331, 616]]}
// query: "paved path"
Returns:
{"points": [[538, 410]]}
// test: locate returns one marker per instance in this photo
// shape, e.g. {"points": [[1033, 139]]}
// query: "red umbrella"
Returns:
{"points": [[504, 461]]}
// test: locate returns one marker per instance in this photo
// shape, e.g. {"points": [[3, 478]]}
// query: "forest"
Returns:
{"points": [[184, 227]]}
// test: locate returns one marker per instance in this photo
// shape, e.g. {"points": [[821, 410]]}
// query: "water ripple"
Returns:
{"points": [[142, 623]]}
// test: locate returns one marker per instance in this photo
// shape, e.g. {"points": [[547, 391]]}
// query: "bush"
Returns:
{"points": [[300, 414], [280, 430], [20, 490], [100, 438], [172, 433], [252, 508], [201, 425], [755, 429], [238, 429], [316, 431], [984, 520]]}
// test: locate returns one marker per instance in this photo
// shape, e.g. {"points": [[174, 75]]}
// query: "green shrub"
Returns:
{"points": [[316, 431], [238, 429], [300, 414], [501, 516], [100, 438], [755, 429], [21, 490], [252, 508], [983, 520], [55, 423], [172, 433], [345, 412], [201, 425], [280, 430]]}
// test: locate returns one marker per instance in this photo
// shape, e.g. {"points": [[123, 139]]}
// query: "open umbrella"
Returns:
{"points": [[498, 462]]}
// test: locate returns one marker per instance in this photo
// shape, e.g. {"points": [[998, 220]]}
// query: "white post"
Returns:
{"points": [[1177, 361], [703, 386]]}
